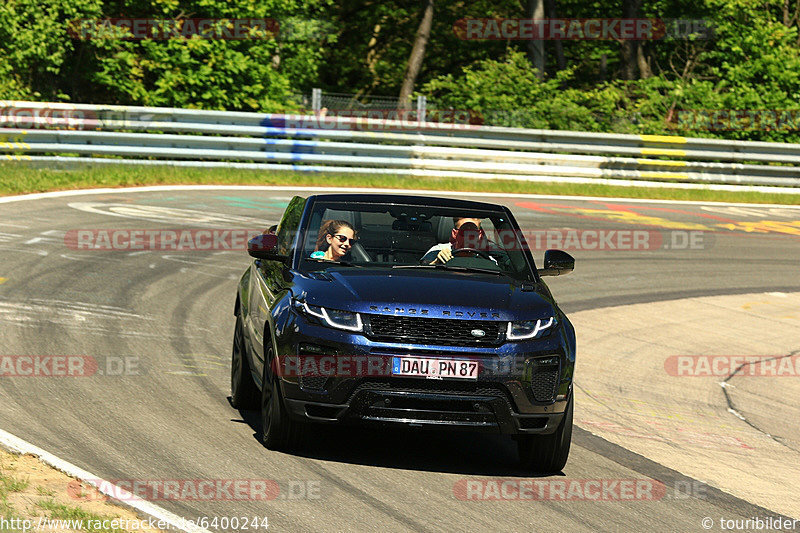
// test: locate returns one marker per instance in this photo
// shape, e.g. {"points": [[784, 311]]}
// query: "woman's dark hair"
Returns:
{"points": [[330, 227]]}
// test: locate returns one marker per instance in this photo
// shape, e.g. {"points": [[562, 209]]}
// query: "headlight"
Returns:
{"points": [[334, 317], [530, 329]]}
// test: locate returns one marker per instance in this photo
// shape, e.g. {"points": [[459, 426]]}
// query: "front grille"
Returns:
{"points": [[478, 405], [451, 332], [543, 384], [434, 386]]}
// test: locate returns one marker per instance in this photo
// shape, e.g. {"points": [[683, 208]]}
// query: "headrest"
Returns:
{"points": [[333, 214], [443, 229]]}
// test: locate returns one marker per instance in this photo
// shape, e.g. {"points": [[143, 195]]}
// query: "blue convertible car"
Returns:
{"points": [[404, 310]]}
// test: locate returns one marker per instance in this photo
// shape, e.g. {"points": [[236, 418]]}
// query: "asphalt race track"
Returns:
{"points": [[169, 316]]}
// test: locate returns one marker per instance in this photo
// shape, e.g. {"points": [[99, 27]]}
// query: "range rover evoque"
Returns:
{"points": [[394, 333]]}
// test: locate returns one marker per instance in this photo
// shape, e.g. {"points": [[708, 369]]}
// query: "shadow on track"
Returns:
{"points": [[456, 452]]}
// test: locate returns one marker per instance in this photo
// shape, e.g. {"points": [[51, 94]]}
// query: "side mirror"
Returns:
{"points": [[264, 246], [557, 263]]}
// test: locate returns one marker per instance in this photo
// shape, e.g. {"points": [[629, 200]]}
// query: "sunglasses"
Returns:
{"points": [[343, 239]]}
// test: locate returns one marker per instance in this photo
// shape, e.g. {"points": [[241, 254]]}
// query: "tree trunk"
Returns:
{"points": [[552, 13], [641, 60], [630, 10], [535, 10], [417, 54]]}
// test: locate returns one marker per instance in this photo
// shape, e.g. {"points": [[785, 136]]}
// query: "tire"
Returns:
{"points": [[278, 431], [244, 393], [547, 453]]}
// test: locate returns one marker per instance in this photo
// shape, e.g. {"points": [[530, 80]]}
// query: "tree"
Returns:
{"points": [[535, 10], [630, 48], [417, 55]]}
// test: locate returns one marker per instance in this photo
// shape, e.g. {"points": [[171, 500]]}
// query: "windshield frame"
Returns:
{"points": [[494, 212]]}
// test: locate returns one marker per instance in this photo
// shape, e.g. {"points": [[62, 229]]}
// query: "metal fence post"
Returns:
{"points": [[422, 102], [316, 100]]}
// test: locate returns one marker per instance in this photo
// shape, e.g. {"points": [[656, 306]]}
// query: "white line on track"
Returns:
{"points": [[15, 444], [424, 192]]}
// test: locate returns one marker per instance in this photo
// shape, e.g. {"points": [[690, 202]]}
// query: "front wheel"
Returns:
{"points": [[278, 430], [244, 394], [547, 453]]}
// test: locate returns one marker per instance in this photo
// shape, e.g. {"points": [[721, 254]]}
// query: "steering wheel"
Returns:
{"points": [[475, 251]]}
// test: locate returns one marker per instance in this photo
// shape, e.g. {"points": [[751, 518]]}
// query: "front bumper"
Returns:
{"points": [[421, 403]]}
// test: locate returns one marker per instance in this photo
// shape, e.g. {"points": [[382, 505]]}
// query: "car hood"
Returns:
{"points": [[435, 294]]}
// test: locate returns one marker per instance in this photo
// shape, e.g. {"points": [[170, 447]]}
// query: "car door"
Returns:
{"points": [[269, 282]]}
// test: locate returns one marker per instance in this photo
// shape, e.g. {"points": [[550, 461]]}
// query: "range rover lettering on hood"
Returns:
{"points": [[426, 312]]}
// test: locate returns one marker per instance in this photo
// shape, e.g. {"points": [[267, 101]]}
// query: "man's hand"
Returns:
{"points": [[444, 255]]}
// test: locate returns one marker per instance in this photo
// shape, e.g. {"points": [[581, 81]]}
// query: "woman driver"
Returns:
{"points": [[335, 239]]}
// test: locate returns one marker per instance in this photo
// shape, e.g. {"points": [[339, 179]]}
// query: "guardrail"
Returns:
{"points": [[82, 133]]}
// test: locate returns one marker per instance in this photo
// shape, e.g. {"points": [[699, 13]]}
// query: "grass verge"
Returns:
{"points": [[16, 178], [32, 493], [91, 522]]}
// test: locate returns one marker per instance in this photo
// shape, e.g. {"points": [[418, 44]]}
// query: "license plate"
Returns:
{"points": [[434, 368]]}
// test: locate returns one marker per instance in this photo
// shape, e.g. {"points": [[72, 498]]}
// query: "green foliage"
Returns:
{"points": [[41, 59], [35, 47], [508, 93], [258, 73], [751, 62]]}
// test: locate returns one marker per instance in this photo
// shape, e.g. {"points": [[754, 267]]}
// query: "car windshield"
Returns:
{"points": [[394, 236]]}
